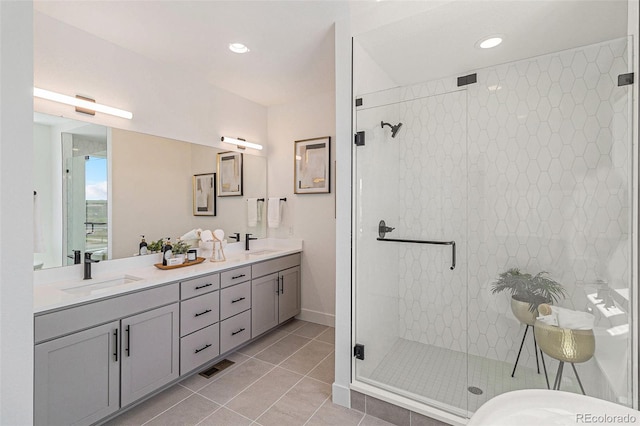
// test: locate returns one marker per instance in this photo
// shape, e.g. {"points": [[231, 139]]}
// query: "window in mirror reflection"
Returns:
{"points": [[85, 205]]}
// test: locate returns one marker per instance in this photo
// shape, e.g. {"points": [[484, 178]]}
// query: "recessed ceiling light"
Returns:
{"points": [[238, 48], [489, 42]]}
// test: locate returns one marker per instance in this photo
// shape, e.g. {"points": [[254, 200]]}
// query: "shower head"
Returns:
{"points": [[394, 129]]}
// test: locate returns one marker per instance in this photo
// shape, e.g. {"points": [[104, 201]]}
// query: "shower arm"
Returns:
{"points": [[441, 243]]}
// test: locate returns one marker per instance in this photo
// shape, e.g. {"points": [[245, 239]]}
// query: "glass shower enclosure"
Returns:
{"points": [[526, 164]]}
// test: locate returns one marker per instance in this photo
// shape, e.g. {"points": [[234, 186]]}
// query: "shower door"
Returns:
{"points": [[530, 167], [410, 294]]}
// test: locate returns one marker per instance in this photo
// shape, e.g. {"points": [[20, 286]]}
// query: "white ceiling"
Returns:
{"points": [[292, 45], [291, 42], [441, 42]]}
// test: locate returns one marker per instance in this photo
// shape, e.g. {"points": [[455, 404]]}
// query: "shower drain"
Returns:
{"points": [[474, 390]]}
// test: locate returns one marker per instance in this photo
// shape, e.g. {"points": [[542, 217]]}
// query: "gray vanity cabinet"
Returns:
{"points": [[289, 294], [275, 293], [92, 359], [264, 310], [77, 377], [150, 352]]}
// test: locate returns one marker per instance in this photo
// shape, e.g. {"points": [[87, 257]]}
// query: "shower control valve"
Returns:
{"points": [[383, 229]]}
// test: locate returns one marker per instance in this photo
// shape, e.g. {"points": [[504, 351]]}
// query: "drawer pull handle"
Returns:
{"points": [[128, 341], [115, 353], [198, 287], [237, 300], [203, 348], [236, 332], [238, 276], [202, 313]]}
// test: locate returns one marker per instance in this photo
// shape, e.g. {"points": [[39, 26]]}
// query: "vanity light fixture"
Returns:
{"points": [[81, 103], [240, 143], [238, 48], [489, 42]]}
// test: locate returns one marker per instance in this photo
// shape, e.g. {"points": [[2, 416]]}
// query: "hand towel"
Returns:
{"points": [[273, 212], [252, 212]]}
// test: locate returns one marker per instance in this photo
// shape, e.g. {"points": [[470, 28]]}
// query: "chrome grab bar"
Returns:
{"points": [[442, 243]]}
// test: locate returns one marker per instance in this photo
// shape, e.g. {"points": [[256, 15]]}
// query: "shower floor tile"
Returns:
{"points": [[441, 375]]}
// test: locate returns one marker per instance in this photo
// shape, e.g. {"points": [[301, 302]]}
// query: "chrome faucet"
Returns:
{"points": [[87, 265], [247, 238]]}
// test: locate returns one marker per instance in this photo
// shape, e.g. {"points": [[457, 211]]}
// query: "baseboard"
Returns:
{"points": [[317, 317], [341, 395]]}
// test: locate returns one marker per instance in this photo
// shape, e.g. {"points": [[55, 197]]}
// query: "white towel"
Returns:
{"points": [[206, 235], [273, 212], [38, 235], [252, 212], [574, 320], [194, 234], [567, 318]]}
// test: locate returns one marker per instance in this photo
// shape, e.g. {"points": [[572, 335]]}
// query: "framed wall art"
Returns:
{"points": [[229, 174], [312, 167], [204, 194]]}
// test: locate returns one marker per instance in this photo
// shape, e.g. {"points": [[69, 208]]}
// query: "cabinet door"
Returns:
{"points": [[289, 300], [77, 377], [150, 354], [264, 304]]}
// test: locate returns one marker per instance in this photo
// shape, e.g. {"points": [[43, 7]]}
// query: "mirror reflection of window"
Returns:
{"points": [[96, 202]]}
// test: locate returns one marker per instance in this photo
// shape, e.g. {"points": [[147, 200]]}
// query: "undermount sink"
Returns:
{"points": [[261, 252], [93, 286]]}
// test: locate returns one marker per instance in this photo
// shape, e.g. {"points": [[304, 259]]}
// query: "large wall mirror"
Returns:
{"points": [[98, 189]]}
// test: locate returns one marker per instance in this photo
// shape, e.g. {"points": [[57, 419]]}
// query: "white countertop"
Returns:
{"points": [[50, 284]]}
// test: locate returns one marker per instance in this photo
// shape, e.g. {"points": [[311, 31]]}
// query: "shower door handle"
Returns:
{"points": [[440, 243]]}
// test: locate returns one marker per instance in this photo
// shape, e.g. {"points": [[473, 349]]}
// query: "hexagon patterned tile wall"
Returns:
{"points": [[528, 168]]}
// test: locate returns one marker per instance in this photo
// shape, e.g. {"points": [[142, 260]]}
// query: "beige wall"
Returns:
{"points": [[310, 217], [151, 181], [152, 190]]}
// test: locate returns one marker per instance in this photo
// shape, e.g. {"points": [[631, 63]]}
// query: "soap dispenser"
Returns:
{"points": [[143, 247], [166, 252]]}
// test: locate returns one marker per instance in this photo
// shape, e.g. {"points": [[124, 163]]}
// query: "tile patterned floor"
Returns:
{"points": [[282, 379], [441, 376]]}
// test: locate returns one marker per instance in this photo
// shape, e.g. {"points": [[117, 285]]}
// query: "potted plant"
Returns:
{"points": [[155, 246], [528, 292], [180, 249]]}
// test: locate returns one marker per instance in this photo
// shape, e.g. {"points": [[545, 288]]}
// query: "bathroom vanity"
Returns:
{"points": [[107, 344]]}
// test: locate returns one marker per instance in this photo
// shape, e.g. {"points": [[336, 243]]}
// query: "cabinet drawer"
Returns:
{"points": [[271, 266], [198, 286], [235, 331], [235, 276], [199, 312], [235, 299], [199, 348]]}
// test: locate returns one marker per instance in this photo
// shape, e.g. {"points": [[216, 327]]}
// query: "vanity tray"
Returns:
{"points": [[182, 265]]}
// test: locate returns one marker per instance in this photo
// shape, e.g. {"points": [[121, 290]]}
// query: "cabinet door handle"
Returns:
{"points": [[198, 287], [115, 353], [238, 276], [237, 300], [236, 332], [202, 313], [281, 285], [128, 349], [203, 348]]}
